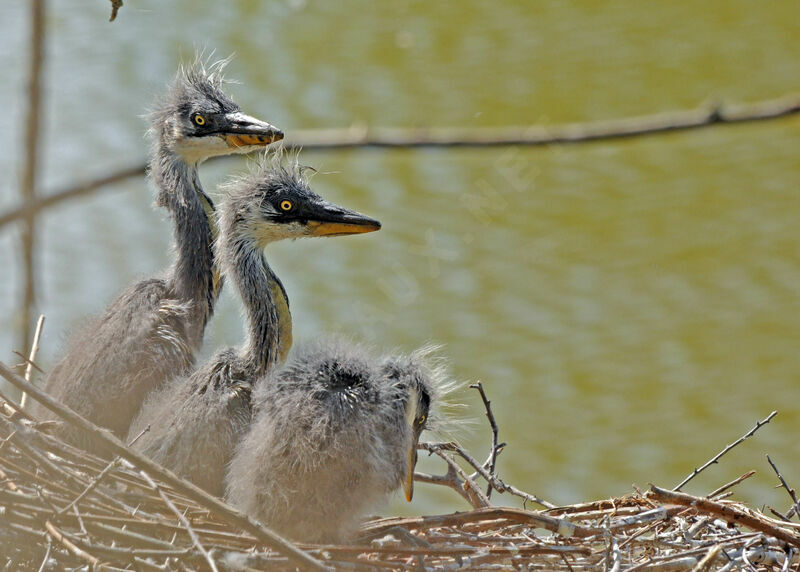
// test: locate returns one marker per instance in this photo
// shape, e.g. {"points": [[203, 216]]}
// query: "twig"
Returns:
{"points": [[497, 483], [333, 139], [796, 505], [707, 560], [30, 165], [560, 526], [55, 533], [717, 457], [222, 510], [726, 512], [493, 424], [32, 358], [115, 6], [96, 481], [449, 479], [731, 484], [183, 520], [46, 555], [476, 497], [72, 192]]}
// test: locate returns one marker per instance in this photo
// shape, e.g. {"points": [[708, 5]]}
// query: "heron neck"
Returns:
{"points": [[193, 274], [265, 302]]}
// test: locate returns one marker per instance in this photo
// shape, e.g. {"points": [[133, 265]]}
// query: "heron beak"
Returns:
{"points": [[241, 130], [327, 219], [408, 482]]}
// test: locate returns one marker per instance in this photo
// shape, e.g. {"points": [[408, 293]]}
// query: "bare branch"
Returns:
{"points": [[796, 506], [493, 424], [727, 512], [32, 358], [30, 165], [183, 520], [115, 6], [332, 139], [717, 457]]}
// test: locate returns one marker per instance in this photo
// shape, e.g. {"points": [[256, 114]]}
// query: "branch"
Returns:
{"points": [[531, 135], [191, 491], [717, 457], [493, 424], [560, 526], [115, 6], [183, 520], [32, 358], [796, 506], [28, 182], [727, 512]]}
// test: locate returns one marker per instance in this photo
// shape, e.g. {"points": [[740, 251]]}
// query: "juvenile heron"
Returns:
{"points": [[151, 331], [334, 433], [196, 421]]}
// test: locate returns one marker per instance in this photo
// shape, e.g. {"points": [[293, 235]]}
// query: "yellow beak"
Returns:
{"points": [[408, 482]]}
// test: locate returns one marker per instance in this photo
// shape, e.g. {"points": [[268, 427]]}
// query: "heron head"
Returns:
{"points": [[277, 203], [197, 120], [413, 384]]}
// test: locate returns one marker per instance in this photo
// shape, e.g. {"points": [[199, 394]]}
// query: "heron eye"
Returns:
{"points": [[422, 420], [286, 205], [199, 119]]}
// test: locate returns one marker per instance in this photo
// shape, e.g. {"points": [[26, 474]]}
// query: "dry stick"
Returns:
{"points": [[493, 424], [318, 140], [499, 485], [96, 481], [32, 358], [55, 533], [46, 555], [553, 524], [191, 491], [115, 6], [796, 506], [731, 484], [476, 497], [183, 520], [70, 193], [706, 561], [449, 479], [30, 165], [729, 513], [716, 458]]}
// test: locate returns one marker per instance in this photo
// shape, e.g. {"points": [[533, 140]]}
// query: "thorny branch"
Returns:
{"points": [[493, 424], [795, 509], [719, 455]]}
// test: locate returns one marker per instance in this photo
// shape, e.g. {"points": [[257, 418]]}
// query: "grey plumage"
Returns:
{"points": [[334, 434], [196, 421], [151, 331]]}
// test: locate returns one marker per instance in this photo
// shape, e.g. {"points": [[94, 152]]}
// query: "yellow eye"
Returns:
{"points": [[286, 205], [199, 119], [422, 420]]}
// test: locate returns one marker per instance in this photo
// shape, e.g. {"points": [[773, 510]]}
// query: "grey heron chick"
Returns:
{"points": [[152, 330], [196, 421], [334, 433]]}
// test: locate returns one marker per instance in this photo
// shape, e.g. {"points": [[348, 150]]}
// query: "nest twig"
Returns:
{"points": [[62, 507]]}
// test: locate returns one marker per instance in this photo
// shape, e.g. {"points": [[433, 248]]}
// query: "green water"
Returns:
{"points": [[630, 306]]}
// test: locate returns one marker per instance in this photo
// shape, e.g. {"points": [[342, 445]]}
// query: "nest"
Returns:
{"points": [[63, 508]]}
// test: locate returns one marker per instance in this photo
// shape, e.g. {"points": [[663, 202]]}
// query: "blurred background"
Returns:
{"points": [[631, 306]]}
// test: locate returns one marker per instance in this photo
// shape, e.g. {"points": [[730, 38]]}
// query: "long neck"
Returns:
{"points": [[192, 276], [284, 316], [247, 268]]}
